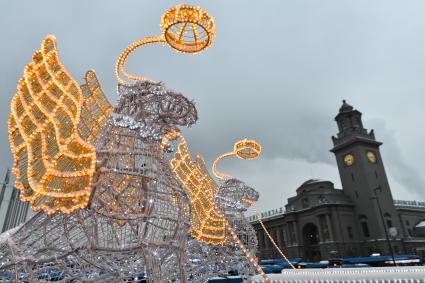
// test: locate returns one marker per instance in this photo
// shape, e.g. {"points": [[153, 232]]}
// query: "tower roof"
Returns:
{"points": [[350, 127], [345, 107]]}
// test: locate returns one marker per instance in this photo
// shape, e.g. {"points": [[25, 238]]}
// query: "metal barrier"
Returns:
{"points": [[406, 274]]}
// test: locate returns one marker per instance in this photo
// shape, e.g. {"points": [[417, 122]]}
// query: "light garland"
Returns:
{"points": [[185, 28], [270, 237], [53, 164], [250, 258], [244, 149], [207, 223]]}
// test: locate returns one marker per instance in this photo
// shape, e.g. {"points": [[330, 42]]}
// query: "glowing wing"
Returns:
{"points": [[207, 224], [53, 165], [95, 109]]}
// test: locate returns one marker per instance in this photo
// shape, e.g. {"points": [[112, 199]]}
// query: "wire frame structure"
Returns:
{"points": [[53, 164], [138, 216], [223, 239], [185, 28], [207, 260], [112, 209], [207, 224]]}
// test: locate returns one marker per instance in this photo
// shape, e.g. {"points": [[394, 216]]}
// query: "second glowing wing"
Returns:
{"points": [[207, 223]]}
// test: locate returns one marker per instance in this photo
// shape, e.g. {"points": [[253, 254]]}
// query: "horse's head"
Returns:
{"points": [[235, 195], [153, 109]]}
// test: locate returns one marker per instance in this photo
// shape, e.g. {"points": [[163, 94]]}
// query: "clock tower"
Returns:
{"points": [[364, 180]]}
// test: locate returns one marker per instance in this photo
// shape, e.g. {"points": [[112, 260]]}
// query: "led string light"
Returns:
{"points": [[185, 28], [53, 164], [250, 258], [171, 135], [202, 190], [207, 223], [244, 149], [94, 110], [270, 237]]}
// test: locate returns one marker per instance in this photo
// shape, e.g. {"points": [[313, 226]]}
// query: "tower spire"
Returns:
{"points": [[350, 125]]}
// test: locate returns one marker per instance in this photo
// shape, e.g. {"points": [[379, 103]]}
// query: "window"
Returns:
{"points": [[365, 227], [350, 232], [387, 217]]}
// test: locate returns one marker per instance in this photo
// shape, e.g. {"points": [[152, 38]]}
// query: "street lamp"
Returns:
{"points": [[383, 222]]}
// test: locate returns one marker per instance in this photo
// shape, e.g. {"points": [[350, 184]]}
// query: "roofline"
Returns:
{"points": [[415, 209], [278, 216], [355, 140]]}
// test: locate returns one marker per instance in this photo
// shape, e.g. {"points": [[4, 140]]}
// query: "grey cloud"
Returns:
{"points": [[277, 73], [396, 164]]}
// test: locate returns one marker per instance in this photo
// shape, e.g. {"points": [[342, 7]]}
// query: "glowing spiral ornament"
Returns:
{"points": [[244, 149], [185, 28]]}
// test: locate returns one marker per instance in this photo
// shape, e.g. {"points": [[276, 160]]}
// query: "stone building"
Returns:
{"points": [[12, 211], [322, 222]]}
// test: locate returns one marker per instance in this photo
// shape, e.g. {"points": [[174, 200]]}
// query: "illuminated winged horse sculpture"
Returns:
{"points": [[111, 208]]}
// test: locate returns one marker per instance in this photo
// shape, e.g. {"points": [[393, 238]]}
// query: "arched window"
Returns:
{"points": [[365, 227], [388, 220]]}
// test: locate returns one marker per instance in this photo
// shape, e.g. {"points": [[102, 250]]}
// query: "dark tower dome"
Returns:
{"points": [[350, 124], [345, 107]]}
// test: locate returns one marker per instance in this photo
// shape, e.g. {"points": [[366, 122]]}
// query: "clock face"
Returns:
{"points": [[371, 157], [348, 159]]}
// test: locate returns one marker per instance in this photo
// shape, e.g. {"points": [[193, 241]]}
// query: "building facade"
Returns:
{"points": [[12, 211], [322, 222]]}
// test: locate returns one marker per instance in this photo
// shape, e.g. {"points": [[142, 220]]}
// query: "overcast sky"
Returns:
{"points": [[277, 72]]}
